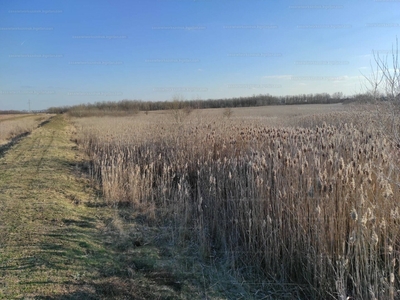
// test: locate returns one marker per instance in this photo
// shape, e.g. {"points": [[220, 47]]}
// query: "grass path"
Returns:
{"points": [[48, 244], [52, 243]]}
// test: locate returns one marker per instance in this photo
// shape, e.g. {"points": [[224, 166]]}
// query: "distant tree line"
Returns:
{"points": [[134, 106], [12, 112]]}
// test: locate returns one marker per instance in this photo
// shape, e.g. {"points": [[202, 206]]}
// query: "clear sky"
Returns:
{"points": [[56, 53]]}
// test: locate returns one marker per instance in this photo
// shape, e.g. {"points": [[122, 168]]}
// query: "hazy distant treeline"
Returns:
{"points": [[12, 112], [133, 106]]}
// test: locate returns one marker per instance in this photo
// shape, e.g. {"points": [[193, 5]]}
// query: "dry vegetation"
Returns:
{"points": [[305, 208], [12, 126], [8, 116]]}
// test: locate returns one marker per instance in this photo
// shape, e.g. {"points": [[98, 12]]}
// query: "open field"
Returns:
{"points": [[8, 116], [263, 112], [12, 126], [294, 204], [278, 111], [308, 212], [16, 116]]}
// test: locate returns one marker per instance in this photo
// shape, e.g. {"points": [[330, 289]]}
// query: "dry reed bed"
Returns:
{"points": [[315, 207]]}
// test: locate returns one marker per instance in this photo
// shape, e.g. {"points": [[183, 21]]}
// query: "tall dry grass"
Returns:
{"points": [[15, 125], [310, 209]]}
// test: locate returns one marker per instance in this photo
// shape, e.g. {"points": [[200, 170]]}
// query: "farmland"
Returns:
{"points": [[299, 203]]}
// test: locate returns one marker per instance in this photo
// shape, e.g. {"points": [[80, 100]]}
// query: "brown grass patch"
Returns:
{"points": [[310, 208]]}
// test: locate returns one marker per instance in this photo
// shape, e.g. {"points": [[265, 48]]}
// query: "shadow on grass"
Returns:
{"points": [[97, 264], [4, 148], [79, 223], [45, 122], [73, 296], [90, 259]]}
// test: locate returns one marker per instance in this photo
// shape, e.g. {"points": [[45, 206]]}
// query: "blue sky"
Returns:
{"points": [[56, 53]]}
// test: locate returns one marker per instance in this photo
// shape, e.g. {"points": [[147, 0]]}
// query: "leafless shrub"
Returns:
{"points": [[228, 112]]}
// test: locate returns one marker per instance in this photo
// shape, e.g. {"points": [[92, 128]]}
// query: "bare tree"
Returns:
{"points": [[385, 75], [228, 112], [177, 111], [384, 79], [384, 83], [373, 80], [390, 72]]}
